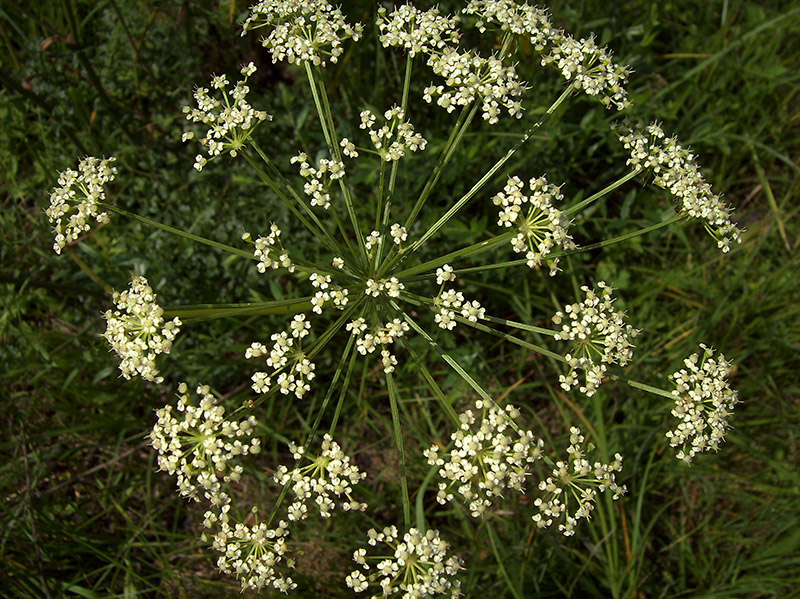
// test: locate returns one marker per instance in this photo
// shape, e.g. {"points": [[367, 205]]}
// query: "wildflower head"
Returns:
{"points": [[253, 553], [487, 459], [675, 169], [569, 493], [521, 19], [292, 371], [416, 31], [230, 121], [137, 332], [469, 77], [590, 68], [196, 443], [320, 480], [540, 226], [310, 31], [599, 336], [416, 565], [395, 136], [703, 402], [80, 191], [587, 66]]}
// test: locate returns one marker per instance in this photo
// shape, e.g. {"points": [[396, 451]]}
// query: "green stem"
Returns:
{"points": [[456, 135], [419, 301], [483, 180], [445, 356], [329, 131], [519, 325], [493, 542], [380, 195], [314, 428], [343, 393], [620, 238], [398, 439], [404, 108], [433, 385], [559, 253], [320, 232], [472, 250], [212, 311], [178, 232], [648, 388], [573, 209]]}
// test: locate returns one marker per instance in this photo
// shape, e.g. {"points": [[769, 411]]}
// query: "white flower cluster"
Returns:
{"points": [[416, 31], [391, 287], [468, 76], [445, 274], [675, 169], [398, 233], [89, 179], [599, 336], [309, 31], [253, 553], [418, 565], [576, 480], [542, 228], [329, 475], [395, 137], [450, 301], [137, 332], [230, 121], [383, 337], [588, 66], [269, 251], [486, 461], [287, 360], [327, 293], [703, 402], [520, 19], [197, 444], [373, 240], [318, 180]]}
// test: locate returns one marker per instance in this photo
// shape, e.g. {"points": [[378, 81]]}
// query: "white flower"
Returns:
{"points": [[444, 274], [450, 301], [521, 19], [675, 169], [373, 240], [590, 68], [571, 490], [485, 461], [416, 565], [137, 332], [348, 148], [302, 30], [81, 190], [398, 233], [599, 336], [703, 402]]}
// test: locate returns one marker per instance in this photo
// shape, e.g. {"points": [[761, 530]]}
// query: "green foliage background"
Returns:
{"points": [[84, 512]]}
